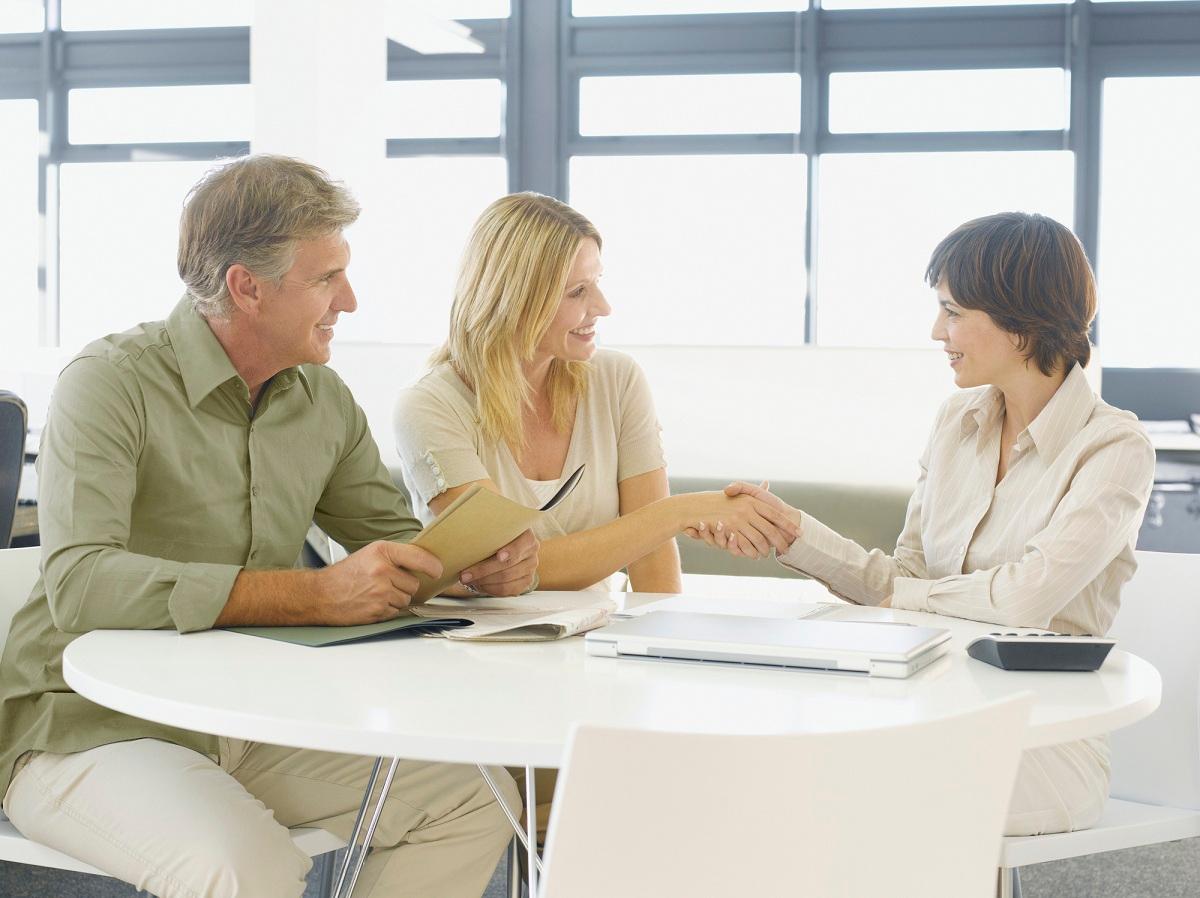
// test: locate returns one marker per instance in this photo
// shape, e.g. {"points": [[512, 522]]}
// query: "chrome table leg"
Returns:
{"points": [[356, 852], [535, 863]]}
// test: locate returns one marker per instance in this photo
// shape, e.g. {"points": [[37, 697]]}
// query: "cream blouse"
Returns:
{"points": [[1049, 546]]}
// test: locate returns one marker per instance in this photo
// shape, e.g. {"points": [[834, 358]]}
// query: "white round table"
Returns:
{"points": [[515, 703]]}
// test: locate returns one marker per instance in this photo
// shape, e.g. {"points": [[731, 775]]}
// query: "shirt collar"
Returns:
{"points": [[289, 376], [203, 364], [984, 409], [1064, 415]]}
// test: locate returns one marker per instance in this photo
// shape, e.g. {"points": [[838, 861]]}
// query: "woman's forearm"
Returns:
{"points": [[578, 560], [657, 572]]}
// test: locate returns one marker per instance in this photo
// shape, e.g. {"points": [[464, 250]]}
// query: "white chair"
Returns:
{"points": [[18, 573], [905, 811], [1156, 762]]}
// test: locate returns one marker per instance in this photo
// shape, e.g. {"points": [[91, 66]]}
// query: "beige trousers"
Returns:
{"points": [[173, 822], [1059, 789]]}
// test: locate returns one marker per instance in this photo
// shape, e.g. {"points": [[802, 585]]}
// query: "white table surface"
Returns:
{"points": [[439, 700]]}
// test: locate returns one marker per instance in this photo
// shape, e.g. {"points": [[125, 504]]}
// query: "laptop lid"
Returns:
{"points": [[881, 648]]}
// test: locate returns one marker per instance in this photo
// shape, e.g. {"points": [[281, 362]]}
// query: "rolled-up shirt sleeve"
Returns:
{"points": [[436, 446], [87, 470], [1098, 516]]}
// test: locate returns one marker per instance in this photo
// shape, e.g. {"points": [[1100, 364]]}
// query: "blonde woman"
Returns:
{"points": [[519, 396]]}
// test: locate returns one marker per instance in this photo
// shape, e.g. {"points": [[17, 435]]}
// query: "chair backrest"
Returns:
{"points": [[905, 811], [18, 573], [1157, 760], [13, 424]]}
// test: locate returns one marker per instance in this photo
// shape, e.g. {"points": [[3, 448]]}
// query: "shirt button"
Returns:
{"points": [[441, 482], [254, 490]]}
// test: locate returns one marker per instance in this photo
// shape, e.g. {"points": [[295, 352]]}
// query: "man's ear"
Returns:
{"points": [[244, 288]]}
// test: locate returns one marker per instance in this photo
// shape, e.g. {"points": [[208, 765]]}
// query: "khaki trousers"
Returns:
{"points": [[1059, 789], [179, 825]]}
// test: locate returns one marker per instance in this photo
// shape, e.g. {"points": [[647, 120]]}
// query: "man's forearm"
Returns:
{"points": [[273, 599]]}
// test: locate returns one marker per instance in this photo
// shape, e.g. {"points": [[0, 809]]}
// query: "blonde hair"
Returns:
{"points": [[254, 211], [511, 279]]}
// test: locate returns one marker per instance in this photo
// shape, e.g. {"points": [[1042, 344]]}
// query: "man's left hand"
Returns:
{"points": [[509, 572]]}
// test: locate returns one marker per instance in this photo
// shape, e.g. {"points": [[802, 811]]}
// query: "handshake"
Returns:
{"points": [[745, 520]]}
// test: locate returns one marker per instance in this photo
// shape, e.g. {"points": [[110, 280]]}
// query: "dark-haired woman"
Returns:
{"points": [[1032, 488]]}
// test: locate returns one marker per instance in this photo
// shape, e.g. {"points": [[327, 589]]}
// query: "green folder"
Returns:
{"points": [[316, 637]]}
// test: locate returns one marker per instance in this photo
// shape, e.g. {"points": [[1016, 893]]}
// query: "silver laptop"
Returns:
{"points": [[875, 649]]}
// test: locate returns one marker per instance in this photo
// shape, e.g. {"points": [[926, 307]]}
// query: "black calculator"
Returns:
{"points": [[1041, 651]]}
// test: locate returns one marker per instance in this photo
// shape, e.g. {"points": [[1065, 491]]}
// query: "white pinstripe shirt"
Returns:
{"points": [[1049, 546]]}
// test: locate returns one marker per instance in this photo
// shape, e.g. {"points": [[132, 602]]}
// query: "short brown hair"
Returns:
{"points": [[1032, 277], [254, 211]]}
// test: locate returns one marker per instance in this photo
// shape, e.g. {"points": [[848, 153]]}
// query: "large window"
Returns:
{"points": [[464, 108], [474, 9], [680, 7], [201, 112], [1149, 229], [18, 16], [763, 172], [113, 15], [690, 104], [445, 165], [120, 230], [882, 215], [429, 204], [948, 100], [19, 224], [698, 249], [879, 4]]}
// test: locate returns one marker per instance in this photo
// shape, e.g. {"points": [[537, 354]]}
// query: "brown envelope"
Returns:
{"points": [[473, 527]]}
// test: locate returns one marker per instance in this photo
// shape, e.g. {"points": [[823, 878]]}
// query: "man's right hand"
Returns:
{"points": [[374, 584]]}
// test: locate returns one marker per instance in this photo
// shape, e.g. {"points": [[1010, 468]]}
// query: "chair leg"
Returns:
{"points": [[322, 875], [1005, 882], [514, 869]]}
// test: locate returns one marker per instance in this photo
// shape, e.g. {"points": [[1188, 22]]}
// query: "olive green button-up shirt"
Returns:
{"points": [[158, 485]]}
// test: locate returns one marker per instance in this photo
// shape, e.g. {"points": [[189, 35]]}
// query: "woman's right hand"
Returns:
{"points": [[726, 539], [741, 523]]}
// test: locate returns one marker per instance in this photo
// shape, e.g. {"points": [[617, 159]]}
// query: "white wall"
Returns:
{"points": [[846, 415], [804, 413]]}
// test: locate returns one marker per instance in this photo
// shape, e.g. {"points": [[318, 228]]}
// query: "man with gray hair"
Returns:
{"points": [[180, 466]]}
